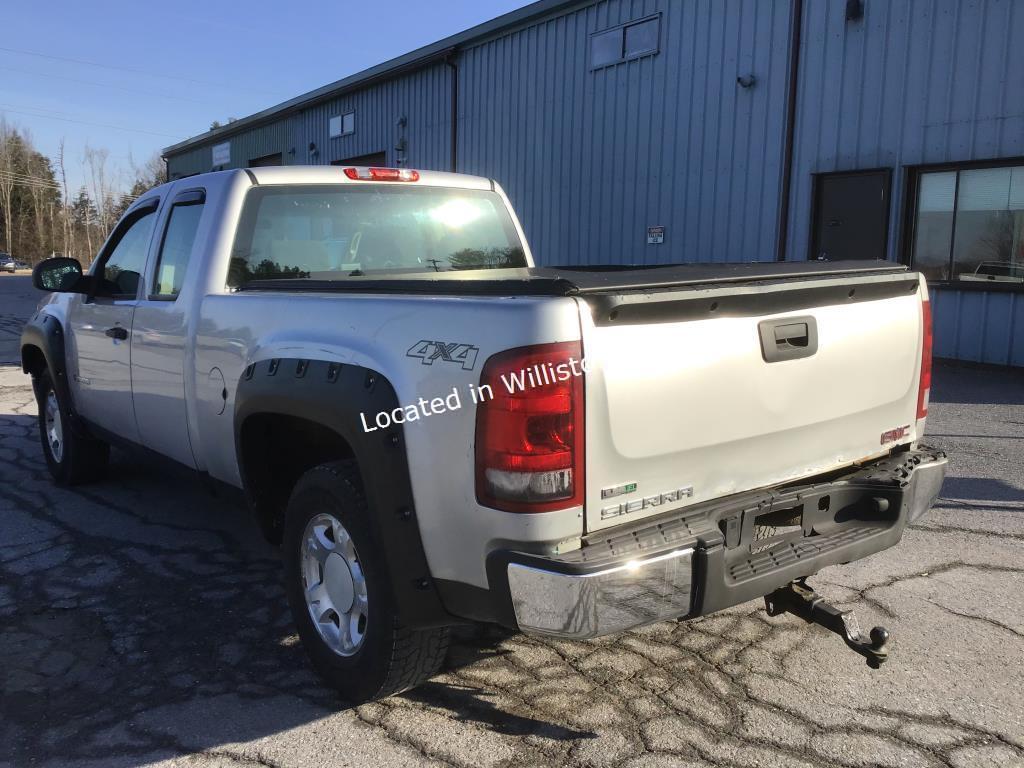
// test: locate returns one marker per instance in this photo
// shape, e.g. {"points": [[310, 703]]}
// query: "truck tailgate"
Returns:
{"points": [[700, 392]]}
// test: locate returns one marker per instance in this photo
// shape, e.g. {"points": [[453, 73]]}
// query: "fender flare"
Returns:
{"points": [[333, 395], [45, 332]]}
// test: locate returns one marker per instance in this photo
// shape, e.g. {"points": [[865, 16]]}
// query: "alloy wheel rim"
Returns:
{"points": [[54, 426], [334, 585]]}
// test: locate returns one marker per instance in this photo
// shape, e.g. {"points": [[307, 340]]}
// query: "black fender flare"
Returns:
{"points": [[333, 395], [45, 333]]}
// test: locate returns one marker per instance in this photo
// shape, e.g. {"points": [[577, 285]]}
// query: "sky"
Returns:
{"points": [[133, 78]]}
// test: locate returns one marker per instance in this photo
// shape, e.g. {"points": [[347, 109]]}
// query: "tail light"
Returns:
{"points": [[925, 385], [529, 429], [382, 174]]}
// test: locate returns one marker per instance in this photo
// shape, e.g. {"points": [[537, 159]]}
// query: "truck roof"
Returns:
{"points": [[330, 174]]}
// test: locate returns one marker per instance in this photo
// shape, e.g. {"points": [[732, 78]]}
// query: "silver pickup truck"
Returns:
{"points": [[438, 432]]}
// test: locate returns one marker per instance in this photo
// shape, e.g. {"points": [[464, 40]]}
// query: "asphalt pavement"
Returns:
{"points": [[142, 622]]}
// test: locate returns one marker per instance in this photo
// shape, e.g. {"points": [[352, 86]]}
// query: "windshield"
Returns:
{"points": [[341, 232]]}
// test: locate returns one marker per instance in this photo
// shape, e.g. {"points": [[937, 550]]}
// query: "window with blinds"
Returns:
{"points": [[969, 224]]}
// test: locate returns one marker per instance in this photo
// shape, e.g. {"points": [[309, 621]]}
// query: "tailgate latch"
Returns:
{"points": [[800, 599]]}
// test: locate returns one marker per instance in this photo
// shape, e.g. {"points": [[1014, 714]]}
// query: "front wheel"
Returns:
{"points": [[71, 457], [340, 594]]}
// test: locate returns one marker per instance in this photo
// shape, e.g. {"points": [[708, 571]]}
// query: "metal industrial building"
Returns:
{"points": [[655, 131]]}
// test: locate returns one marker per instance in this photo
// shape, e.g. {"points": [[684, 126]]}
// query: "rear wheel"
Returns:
{"points": [[71, 456], [340, 594]]}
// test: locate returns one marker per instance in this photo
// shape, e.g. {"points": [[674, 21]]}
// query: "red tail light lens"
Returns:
{"points": [[529, 429], [382, 174], [925, 386]]}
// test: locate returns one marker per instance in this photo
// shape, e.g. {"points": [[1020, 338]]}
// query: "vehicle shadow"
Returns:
{"points": [[954, 382], [975, 489], [143, 615]]}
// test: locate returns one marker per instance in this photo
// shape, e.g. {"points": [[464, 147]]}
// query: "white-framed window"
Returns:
{"points": [[626, 41], [342, 125]]}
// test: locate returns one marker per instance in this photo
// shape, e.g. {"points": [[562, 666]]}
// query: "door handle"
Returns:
{"points": [[117, 332], [788, 338], [791, 335]]}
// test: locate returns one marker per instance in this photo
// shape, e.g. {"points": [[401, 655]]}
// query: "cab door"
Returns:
{"points": [[160, 354], [100, 326]]}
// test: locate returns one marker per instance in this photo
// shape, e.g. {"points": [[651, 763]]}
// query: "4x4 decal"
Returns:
{"points": [[449, 352]]}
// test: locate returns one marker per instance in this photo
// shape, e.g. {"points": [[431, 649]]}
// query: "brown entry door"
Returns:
{"points": [[851, 215]]}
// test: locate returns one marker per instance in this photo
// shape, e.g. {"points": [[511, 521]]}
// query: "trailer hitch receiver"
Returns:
{"points": [[800, 599]]}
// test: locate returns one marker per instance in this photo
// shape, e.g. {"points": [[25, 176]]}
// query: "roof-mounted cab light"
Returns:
{"points": [[382, 174]]}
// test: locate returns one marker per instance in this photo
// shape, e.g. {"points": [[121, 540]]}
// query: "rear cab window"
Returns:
{"points": [[332, 232], [178, 241]]}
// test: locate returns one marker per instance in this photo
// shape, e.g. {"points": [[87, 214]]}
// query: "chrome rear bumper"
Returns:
{"points": [[603, 602], [682, 564]]}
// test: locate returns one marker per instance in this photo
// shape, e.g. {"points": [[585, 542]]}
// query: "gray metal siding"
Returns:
{"points": [[913, 83], [189, 163], [979, 326], [422, 97], [590, 158]]}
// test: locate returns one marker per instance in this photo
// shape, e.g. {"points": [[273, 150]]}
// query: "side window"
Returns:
{"points": [[127, 260], [176, 248]]}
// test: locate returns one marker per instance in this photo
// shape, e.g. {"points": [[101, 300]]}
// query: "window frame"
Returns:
{"points": [[250, 211], [912, 182], [621, 28], [187, 197], [143, 208], [341, 124]]}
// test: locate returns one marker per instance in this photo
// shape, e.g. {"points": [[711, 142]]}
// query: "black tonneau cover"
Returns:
{"points": [[579, 281]]}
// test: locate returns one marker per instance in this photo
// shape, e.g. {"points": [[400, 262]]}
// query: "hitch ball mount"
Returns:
{"points": [[800, 599]]}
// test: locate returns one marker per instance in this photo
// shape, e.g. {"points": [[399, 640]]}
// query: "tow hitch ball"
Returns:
{"points": [[801, 600]]}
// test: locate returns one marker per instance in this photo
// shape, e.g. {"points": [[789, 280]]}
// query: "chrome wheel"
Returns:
{"points": [[54, 426], [334, 584]]}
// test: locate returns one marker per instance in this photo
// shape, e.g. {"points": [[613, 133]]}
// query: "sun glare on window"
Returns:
{"points": [[455, 213]]}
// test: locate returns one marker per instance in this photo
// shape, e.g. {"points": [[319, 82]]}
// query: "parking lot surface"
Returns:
{"points": [[142, 622]]}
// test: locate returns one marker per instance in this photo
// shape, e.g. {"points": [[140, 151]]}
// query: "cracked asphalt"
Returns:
{"points": [[142, 622]]}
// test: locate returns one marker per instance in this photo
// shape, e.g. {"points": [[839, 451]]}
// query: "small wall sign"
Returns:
{"points": [[222, 154], [655, 235]]}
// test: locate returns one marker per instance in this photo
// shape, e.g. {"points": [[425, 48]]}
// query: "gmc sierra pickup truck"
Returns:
{"points": [[438, 432]]}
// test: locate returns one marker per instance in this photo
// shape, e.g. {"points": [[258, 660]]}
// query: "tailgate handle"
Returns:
{"points": [[788, 338], [794, 334]]}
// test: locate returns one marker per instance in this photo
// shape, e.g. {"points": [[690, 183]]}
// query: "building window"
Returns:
{"points": [[342, 125], [625, 42], [969, 224]]}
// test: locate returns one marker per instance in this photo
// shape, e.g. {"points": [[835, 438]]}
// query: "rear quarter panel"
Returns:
{"points": [[377, 332]]}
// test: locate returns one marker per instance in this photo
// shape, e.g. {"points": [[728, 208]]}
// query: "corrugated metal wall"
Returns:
{"points": [[914, 83], [422, 97], [979, 326], [591, 158]]}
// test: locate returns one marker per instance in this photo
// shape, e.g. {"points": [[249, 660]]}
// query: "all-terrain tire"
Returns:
{"points": [[389, 658], [72, 456]]}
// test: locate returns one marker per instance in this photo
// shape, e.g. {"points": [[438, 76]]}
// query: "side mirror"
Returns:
{"points": [[60, 274]]}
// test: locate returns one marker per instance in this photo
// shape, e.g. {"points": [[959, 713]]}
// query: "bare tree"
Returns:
{"points": [[68, 229], [103, 195], [7, 176]]}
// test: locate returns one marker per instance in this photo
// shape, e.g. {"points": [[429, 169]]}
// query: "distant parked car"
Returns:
{"points": [[1004, 271], [7, 263]]}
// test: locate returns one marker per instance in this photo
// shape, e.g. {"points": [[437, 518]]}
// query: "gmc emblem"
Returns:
{"points": [[895, 434]]}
